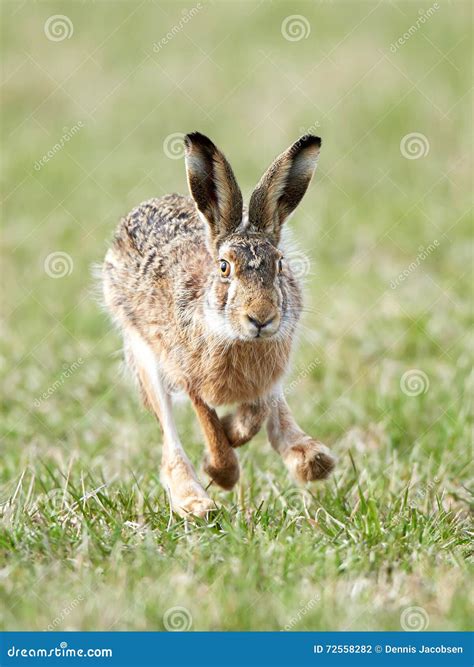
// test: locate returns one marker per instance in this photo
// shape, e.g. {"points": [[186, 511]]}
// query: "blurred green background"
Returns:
{"points": [[95, 97]]}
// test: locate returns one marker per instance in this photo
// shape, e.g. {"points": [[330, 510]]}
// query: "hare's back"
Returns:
{"points": [[156, 225], [154, 250]]}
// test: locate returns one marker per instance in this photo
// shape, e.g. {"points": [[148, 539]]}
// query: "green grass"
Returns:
{"points": [[86, 539]]}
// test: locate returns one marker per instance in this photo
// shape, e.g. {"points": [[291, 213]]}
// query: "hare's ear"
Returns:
{"points": [[283, 185], [212, 185]]}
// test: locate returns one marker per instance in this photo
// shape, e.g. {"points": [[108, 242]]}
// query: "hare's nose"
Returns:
{"points": [[258, 323]]}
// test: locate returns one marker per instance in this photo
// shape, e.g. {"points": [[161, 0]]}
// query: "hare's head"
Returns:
{"points": [[252, 292]]}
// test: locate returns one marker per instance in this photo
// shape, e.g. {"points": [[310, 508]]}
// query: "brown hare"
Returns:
{"points": [[207, 304]]}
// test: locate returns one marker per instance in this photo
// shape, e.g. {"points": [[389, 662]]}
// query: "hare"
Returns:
{"points": [[206, 303]]}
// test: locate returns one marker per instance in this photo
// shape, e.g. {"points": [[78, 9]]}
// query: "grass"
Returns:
{"points": [[86, 539]]}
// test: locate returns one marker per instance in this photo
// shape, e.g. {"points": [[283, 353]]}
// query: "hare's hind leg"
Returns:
{"points": [[307, 459], [177, 474], [221, 462]]}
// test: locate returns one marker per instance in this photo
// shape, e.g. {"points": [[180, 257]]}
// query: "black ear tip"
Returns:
{"points": [[308, 140], [305, 142], [197, 139]]}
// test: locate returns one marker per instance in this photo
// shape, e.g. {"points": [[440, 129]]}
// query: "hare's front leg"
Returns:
{"points": [[307, 459], [221, 462], [177, 474]]}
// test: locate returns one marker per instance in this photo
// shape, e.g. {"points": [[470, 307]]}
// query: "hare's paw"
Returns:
{"points": [[225, 474], [186, 495], [191, 501], [199, 506], [309, 460]]}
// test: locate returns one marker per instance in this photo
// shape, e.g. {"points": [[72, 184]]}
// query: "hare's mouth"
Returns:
{"points": [[265, 334], [255, 330]]}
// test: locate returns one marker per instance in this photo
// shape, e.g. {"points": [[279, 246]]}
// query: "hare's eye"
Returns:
{"points": [[224, 268], [280, 265]]}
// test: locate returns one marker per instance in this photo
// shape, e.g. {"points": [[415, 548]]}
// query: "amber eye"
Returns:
{"points": [[225, 268], [280, 265]]}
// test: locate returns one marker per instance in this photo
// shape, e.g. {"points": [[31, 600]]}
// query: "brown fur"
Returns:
{"points": [[222, 339], [245, 422], [221, 464], [156, 278]]}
